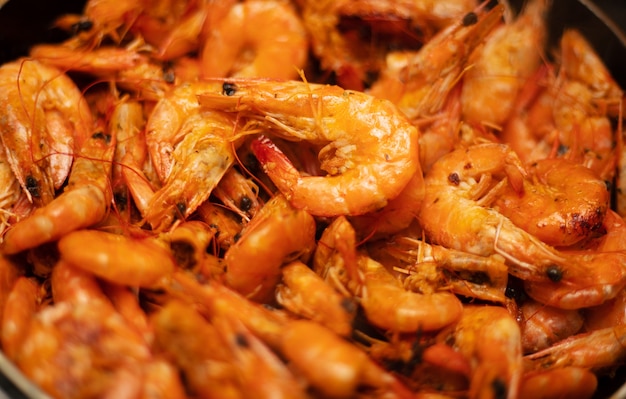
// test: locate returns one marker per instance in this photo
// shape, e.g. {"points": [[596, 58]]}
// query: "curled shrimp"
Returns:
{"points": [[455, 213], [369, 156], [39, 141], [83, 203], [562, 202], [235, 47]]}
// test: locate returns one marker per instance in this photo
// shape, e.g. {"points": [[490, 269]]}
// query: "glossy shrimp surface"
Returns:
{"points": [[368, 160]]}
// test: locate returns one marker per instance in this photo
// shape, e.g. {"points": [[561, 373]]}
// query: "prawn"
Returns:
{"points": [[511, 54], [235, 47], [566, 382], [239, 194], [369, 156], [305, 293], [561, 203], [276, 235], [45, 119], [455, 213], [473, 276], [83, 203], [117, 258], [490, 338], [542, 325], [402, 310], [419, 82], [594, 350]]}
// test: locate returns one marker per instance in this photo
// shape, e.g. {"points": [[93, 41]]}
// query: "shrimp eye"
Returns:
{"points": [[102, 136], [181, 208], [229, 89], [245, 204], [454, 178], [241, 341], [32, 185], [83, 25], [554, 274], [470, 19]]}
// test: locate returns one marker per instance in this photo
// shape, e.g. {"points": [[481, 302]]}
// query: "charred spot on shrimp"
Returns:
{"points": [[470, 19], [454, 178], [32, 185], [554, 273], [102, 136], [229, 89]]}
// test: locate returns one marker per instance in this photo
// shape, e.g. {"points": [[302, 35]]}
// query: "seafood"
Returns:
{"points": [[490, 338], [566, 382], [83, 203], [35, 99], [235, 47], [305, 293], [369, 160], [511, 54], [460, 187], [419, 82], [276, 235]]}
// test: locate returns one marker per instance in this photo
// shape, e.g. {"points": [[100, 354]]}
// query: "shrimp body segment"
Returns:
{"points": [[370, 149]]}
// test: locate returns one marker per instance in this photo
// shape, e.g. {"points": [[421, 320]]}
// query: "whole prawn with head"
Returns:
{"points": [[370, 149], [456, 212]]}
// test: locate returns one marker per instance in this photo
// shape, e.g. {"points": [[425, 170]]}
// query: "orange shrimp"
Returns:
{"points": [[510, 55], [235, 47], [276, 235], [239, 194], [561, 383], [305, 293], [473, 276], [365, 170], [594, 350], [117, 258], [41, 168], [402, 310], [490, 337], [83, 203], [455, 213], [561, 203], [542, 325], [10, 192], [419, 82]]}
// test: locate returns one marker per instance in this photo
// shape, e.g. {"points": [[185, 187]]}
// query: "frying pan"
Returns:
{"points": [[603, 22]]}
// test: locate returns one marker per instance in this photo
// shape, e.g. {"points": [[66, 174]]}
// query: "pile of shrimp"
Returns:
{"points": [[312, 199]]}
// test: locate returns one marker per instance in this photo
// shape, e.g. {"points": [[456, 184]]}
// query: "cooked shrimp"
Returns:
{"points": [[510, 55], [455, 213], [419, 82], [473, 276], [239, 194], [83, 203], [490, 337], [117, 258], [22, 303], [277, 235], [36, 98], [10, 192], [305, 293], [227, 225], [561, 383], [105, 18], [369, 156], [594, 350], [351, 54], [236, 47], [543, 325], [561, 203], [401, 310]]}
